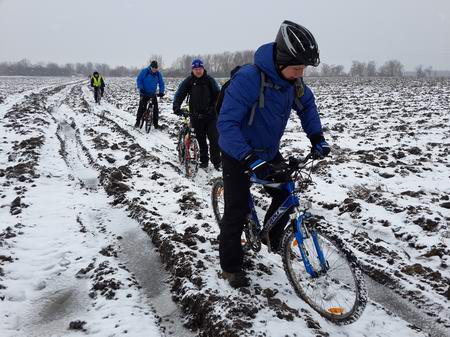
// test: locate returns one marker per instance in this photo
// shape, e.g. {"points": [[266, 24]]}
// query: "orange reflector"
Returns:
{"points": [[295, 243], [336, 310]]}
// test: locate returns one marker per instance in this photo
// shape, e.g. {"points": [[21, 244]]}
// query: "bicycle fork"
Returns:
{"points": [[302, 232]]}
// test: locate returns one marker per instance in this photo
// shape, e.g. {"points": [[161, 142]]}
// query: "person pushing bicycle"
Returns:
{"points": [[203, 91], [98, 83], [252, 119], [147, 82]]}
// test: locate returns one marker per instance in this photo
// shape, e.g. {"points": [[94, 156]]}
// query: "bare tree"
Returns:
{"points": [[358, 69], [371, 69], [420, 73], [392, 68]]}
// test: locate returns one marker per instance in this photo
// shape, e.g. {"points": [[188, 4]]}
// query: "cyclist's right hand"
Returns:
{"points": [[263, 170], [260, 168], [178, 112]]}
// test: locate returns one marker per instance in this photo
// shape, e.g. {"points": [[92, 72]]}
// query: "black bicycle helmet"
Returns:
{"points": [[154, 64], [296, 45]]}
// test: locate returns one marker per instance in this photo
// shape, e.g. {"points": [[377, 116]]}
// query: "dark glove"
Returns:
{"points": [[178, 112], [160, 95], [320, 146], [142, 92], [267, 171], [260, 168]]}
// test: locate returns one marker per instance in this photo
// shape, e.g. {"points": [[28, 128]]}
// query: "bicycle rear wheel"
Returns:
{"points": [[339, 294], [217, 199], [191, 156]]}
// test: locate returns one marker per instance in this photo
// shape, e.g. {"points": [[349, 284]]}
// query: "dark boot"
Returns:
{"points": [[236, 280]]}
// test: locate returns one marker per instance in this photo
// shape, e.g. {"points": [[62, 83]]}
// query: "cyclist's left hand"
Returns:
{"points": [[320, 146], [160, 95]]}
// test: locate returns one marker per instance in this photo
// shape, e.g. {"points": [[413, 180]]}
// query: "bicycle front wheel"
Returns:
{"points": [[338, 293], [148, 122], [142, 121], [180, 147], [191, 156], [217, 199]]}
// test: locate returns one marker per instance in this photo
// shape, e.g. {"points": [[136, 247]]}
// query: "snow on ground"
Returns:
{"points": [[76, 179]]}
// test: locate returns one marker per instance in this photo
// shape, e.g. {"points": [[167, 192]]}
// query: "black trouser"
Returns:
{"points": [[143, 105], [236, 193], [206, 127]]}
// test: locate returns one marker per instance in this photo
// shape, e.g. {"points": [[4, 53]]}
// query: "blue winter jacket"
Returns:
{"points": [[148, 81], [236, 137]]}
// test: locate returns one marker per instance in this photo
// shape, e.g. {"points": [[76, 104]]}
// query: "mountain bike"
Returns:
{"points": [[321, 269], [187, 146], [97, 94], [147, 116]]}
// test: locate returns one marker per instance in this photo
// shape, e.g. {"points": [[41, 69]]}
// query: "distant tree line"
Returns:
{"points": [[26, 68], [218, 65]]}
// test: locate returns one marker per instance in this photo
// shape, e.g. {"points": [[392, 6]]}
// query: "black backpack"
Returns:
{"points": [[260, 103]]}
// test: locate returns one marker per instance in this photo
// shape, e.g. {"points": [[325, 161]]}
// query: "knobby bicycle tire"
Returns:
{"points": [[191, 157], [217, 199], [314, 290], [180, 147], [149, 119], [142, 122]]}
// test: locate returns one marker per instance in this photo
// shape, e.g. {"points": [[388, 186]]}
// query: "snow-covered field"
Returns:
{"points": [[88, 205]]}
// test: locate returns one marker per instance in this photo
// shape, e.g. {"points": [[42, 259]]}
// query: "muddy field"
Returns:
{"points": [[385, 190]]}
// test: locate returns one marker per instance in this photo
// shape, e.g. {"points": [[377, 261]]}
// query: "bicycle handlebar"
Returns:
{"points": [[294, 165]]}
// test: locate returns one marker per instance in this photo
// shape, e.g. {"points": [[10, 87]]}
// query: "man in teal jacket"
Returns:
{"points": [[147, 82]]}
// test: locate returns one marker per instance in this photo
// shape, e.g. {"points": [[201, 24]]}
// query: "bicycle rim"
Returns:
{"points": [[217, 199], [191, 157], [339, 294]]}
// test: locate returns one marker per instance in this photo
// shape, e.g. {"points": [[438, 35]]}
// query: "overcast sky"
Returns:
{"points": [[127, 32]]}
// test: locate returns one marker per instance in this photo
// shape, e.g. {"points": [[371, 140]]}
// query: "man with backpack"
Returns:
{"points": [[202, 90], [253, 116], [148, 80]]}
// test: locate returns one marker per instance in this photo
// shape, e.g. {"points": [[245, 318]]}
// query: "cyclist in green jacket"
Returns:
{"points": [[97, 83]]}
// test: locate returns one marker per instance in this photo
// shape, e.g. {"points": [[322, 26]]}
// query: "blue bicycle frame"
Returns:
{"points": [[291, 201]]}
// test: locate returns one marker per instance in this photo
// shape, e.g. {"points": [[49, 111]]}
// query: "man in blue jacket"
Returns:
{"points": [[148, 80], [250, 133]]}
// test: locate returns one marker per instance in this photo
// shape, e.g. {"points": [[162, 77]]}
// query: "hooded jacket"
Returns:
{"points": [[236, 137], [147, 81], [202, 91]]}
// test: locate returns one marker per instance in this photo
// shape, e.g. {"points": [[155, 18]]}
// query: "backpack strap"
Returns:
{"points": [[260, 103], [299, 92]]}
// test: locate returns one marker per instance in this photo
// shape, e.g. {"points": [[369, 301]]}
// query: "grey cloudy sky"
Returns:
{"points": [[127, 32]]}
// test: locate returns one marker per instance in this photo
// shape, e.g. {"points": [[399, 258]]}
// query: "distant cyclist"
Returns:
{"points": [[203, 91], [147, 82], [98, 84]]}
